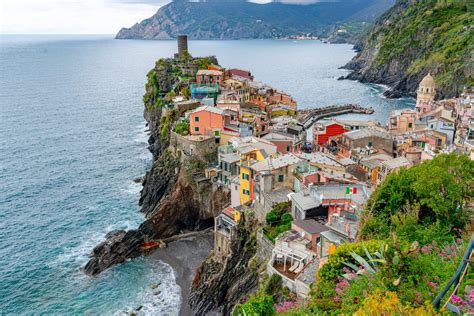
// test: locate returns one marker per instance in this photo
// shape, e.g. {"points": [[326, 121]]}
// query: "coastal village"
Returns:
{"points": [[306, 193]]}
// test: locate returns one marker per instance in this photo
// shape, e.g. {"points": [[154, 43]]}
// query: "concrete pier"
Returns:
{"points": [[309, 116]]}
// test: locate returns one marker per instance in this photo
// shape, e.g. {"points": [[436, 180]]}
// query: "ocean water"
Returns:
{"points": [[72, 139]]}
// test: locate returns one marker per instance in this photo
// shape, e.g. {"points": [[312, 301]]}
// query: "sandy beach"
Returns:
{"points": [[185, 256]]}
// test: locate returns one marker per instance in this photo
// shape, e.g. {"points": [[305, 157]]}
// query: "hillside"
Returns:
{"points": [[417, 37], [239, 19]]}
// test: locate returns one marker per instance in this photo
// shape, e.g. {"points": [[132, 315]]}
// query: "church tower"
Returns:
{"points": [[425, 94]]}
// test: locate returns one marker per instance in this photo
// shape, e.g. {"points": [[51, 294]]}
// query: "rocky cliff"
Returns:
{"points": [[171, 201], [220, 283], [414, 38], [238, 19]]}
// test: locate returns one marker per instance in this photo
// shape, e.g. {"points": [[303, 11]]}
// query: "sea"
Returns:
{"points": [[73, 138]]}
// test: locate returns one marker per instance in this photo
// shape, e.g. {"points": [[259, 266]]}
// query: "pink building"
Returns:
{"points": [[209, 77], [208, 120], [285, 143]]}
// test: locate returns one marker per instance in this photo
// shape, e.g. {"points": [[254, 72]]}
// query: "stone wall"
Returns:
{"points": [[264, 248], [197, 146]]}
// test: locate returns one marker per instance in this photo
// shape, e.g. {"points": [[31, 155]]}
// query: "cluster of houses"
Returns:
{"points": [[262, 161]]}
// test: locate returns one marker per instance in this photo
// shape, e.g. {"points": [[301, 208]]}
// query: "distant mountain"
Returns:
{"points": [[240, 19], [417, 37]]}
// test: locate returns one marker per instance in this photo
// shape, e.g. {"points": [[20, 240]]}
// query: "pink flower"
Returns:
{"points": [[418, 298], [432, 284], [459, 241], [457, 300], [434, 243], [426, 249], [471, 296]]}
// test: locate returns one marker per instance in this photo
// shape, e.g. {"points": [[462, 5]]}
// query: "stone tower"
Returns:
{"points": [[182, 45], [425, 94]]}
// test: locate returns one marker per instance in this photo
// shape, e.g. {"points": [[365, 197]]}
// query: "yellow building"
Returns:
{"points": [[251, 150]]}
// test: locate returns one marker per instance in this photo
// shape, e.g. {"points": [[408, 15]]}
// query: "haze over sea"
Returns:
{"points": [[73, 139]]}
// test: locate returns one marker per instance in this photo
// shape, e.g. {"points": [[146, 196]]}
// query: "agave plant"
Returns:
{"points": [[370, 265]]}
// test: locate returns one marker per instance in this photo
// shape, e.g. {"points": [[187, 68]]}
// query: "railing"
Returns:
{"points": [[457, 276]]}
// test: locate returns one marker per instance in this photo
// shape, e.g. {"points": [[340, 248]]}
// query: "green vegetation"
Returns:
{"points": [[412, 237], [182, 127], [165, 123], [431, 35], [278, 220], [271, 297], [204, 62], [256, 305], [424, 202]]}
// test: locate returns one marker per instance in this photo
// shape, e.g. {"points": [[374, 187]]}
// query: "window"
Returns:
{"points": [[410, 125], [281, 178], [216, 133], [370, 144], [196, 119], [196, 128], [246, 192], [245, 176], [287, 148]]}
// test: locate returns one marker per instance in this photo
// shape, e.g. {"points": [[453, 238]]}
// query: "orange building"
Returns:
{"points": [[208, 120], [281, 97]]}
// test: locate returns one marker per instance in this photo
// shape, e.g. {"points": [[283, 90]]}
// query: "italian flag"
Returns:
{"points": [[350, 190]]}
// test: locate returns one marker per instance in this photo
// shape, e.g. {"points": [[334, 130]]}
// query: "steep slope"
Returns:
{"points": [[171, 200], [237, 19], [417, 37]]}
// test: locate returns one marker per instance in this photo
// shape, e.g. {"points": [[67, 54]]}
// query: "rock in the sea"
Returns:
{"points": [[392, 94], [341, 78], [138, 180], [119, 245]]}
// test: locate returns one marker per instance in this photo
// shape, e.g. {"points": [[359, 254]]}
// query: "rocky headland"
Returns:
{"points": [[171, 200], [241, 19], [414, 38]]}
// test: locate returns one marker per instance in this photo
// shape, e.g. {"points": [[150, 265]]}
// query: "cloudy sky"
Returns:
{"points": [[78, 16]]}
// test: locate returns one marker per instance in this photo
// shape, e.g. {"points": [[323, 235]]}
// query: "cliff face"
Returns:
{"points": [[171, 201], [238, 19], [414, 38], [219, 284]]}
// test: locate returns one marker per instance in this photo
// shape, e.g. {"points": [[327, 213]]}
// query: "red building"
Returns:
{"points": [[322, 132]]}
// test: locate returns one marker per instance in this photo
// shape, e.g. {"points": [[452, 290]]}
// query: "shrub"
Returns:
{"points": [[286, 218], [182, 127], [333, 268], [271, 217], [259, 304], [387, 303], [273, 284]]}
